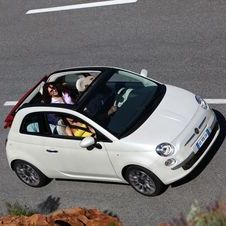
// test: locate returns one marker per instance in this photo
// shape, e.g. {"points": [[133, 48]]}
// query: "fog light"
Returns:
{"points": [[170, 162]]}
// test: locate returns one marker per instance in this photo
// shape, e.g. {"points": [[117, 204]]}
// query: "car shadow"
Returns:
{"points": [[211, 153]]}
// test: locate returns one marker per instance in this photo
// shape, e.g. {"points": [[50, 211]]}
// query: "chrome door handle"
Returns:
{"points": [[51, 151]]}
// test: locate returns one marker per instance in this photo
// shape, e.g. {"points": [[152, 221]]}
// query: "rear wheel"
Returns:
{"points": [[144, 181], [29, 174]]}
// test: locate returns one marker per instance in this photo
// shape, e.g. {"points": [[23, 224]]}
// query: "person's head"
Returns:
{"points": [[50, 90], [84, 82]]}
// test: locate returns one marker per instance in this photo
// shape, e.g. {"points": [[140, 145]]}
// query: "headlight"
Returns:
{"points": [[165, 149], [201, 102]]}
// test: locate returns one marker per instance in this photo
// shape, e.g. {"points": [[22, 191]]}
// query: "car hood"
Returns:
{"points": [[169, 119]]}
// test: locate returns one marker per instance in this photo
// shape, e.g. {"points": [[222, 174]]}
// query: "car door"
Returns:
{"points": [[29, 145], [65, 155]]}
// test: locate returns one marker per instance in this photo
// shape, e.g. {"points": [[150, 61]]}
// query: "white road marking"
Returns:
{"points": [[209, 101], [216, 101], [10, 103], [80, 6]]}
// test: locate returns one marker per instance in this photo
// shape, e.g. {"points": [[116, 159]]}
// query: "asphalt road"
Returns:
{"points": [[180, 42]]}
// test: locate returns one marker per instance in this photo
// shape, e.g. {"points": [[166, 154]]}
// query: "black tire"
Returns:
{"points": [[29, 174], [144, 181]]}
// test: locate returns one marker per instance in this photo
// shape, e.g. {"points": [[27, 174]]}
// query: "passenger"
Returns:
{"points": [[79, 129], [53, 93]]}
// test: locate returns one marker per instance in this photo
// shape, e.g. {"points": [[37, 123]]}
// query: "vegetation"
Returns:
{"points": [[213, 215], [17, 209], [22, 215]]}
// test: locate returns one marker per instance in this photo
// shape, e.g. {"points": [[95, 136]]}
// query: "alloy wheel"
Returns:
{"points": [[27, 174], [141, 181]]}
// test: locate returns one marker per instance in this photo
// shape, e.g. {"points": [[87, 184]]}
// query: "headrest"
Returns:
{"points": [[83, 82]]}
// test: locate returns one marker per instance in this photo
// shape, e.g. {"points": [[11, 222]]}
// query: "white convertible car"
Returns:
{"points": [[155, 135]]}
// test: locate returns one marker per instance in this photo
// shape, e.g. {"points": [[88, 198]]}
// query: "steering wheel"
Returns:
{"points": [[122, 96]]}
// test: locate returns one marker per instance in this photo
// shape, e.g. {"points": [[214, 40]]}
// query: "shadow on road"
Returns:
{"points": [[49, 205], [206, 160]]}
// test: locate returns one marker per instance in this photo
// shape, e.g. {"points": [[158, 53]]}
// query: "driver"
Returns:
{"points": [[101, 101]]}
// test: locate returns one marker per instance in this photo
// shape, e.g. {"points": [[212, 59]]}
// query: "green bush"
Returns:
{"points": [[18, 210]]}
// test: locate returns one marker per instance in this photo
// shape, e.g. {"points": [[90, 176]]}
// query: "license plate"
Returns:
{"points": [[204, 137]]}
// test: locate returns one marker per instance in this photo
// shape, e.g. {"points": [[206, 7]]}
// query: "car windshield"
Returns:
{"points": [[120, 101]]}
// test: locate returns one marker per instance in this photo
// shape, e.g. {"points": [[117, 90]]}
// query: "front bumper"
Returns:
{"points": [[194, 158]]}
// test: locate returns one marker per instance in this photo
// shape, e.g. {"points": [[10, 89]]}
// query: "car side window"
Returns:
{"points": [[33, 124], [68, 126]]}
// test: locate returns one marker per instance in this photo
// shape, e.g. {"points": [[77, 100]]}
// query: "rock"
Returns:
{"points": [[65, 217], [38, 219]]}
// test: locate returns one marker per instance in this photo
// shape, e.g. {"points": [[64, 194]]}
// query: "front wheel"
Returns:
{"points": [[29, 174], [144, 181]]}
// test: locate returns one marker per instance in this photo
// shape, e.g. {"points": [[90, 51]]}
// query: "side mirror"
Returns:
{"points": [[144, 72], [87, 142]]}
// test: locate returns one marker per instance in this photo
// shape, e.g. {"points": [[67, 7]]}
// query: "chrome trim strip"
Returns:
{"points": [[190, 139], [202, 123]]}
